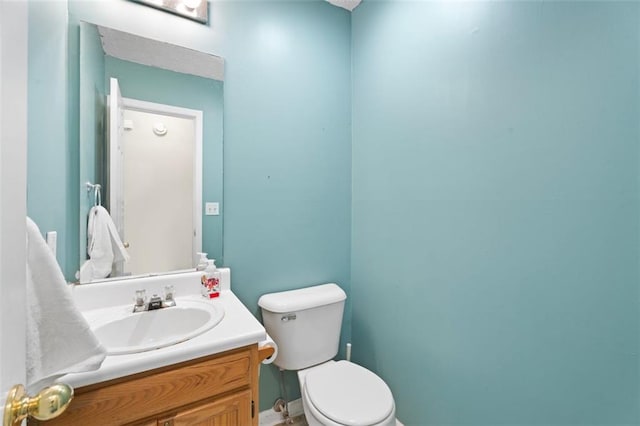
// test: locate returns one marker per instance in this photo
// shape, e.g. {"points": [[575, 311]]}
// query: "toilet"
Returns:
{"points": [[305, 324]]}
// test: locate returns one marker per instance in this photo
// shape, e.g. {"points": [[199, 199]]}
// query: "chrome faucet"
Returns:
{"points": [[155, 302]]}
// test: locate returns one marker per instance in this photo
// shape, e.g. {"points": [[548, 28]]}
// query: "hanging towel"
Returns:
{"points": [[59, 340], [104, 246]]}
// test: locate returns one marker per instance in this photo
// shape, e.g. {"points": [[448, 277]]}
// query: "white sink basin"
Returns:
{"points": [[124, 332]]}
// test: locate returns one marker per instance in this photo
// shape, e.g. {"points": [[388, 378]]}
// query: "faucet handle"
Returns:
{"points": [[141, 297], [169, 292], [169, 296]]}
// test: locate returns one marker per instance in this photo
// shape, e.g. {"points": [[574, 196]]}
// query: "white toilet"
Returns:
{"points": [[305, 324]]}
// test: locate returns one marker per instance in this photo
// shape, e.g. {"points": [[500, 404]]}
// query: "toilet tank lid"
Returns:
{"points": [[303, 298]]}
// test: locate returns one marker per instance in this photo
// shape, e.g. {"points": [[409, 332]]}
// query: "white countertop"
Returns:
{"points": [[238, 327]]}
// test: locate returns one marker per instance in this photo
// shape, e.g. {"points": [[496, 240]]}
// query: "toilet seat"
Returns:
{"points": [[349, 394]]}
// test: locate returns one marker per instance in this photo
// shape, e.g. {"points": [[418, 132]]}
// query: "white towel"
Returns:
{"points": [[104, 246], [59, 340]]}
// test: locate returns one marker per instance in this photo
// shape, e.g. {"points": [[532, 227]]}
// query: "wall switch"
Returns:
{"points": [[52, 242], [212, 209]]}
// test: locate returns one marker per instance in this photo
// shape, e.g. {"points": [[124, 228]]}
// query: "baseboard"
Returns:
{"points": [[271, 418]]}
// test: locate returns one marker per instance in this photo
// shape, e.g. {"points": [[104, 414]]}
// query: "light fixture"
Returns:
{"points": [[197, 10], [345, 4], [159, 128]]}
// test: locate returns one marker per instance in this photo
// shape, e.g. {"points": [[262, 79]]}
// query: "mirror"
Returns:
{"points": [[150, 157]]}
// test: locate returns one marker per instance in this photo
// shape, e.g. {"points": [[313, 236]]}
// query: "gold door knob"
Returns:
{"points": [[48, 403], [126, 245]]}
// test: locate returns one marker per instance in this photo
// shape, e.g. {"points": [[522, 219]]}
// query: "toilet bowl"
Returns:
{"points": [[305, 324], [345, 394]]}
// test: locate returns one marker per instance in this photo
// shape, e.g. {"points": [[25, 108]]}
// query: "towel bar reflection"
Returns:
{"points": [[97, 196]]}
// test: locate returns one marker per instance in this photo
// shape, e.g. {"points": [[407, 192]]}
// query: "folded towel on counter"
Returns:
{"points": [[104, 246], [59, 340]]}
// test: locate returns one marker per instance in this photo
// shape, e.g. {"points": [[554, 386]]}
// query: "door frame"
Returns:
{"points": [[13, 192], [197, 117]]}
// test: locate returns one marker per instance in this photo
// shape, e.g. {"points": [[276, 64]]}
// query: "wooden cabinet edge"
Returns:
{"points": [[249, 381]]}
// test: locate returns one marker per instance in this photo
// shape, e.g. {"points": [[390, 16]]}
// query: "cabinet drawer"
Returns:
{"points": [[147, 394], [233, 410]]}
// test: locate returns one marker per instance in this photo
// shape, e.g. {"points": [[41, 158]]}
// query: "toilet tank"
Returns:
{"points": [[304, 323]]}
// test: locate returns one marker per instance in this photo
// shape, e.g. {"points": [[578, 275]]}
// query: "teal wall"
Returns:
{"points": [[287, 137], [287, 152], [483, 215], [186, 91], [52, 163], [495, 209]]}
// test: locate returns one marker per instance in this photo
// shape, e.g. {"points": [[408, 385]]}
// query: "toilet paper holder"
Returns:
{"points": [[265, 352]]}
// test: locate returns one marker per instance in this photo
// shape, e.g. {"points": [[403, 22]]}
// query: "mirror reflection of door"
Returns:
{"points": [[154, 197], [158, 174], [115, 186]]}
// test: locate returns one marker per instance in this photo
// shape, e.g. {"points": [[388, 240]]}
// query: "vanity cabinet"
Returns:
{"points": [[218, 390]]}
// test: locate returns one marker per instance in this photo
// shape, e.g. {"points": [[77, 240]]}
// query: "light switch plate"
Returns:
{"points": [[212, 209]]}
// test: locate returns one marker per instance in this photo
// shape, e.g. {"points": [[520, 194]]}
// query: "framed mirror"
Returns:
{"points": [[151, 145]]}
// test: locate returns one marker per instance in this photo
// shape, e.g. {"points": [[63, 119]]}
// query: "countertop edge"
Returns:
{"points": [[217, 340]]}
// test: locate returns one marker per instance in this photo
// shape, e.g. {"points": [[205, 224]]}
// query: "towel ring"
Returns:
{"points": [[97, 196]]}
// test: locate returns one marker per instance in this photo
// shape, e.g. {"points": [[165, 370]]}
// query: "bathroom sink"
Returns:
{"points": [[124, 332]]}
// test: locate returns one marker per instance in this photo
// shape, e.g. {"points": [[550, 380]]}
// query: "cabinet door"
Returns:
{"points": [[233, 410]]}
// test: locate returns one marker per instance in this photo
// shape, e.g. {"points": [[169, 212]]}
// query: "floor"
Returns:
{"points": [[295, 421], [272, 418]]}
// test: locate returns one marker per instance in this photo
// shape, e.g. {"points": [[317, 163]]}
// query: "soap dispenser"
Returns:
{"points": [[202, 262], [211, 280]]}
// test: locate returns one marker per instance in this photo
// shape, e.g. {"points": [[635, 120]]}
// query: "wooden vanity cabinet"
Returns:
{"points": [[218, 390], [234, 409]]}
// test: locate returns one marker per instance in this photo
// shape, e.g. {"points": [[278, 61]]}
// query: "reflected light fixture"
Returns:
{"points": [[198, 10], [345, 4]]}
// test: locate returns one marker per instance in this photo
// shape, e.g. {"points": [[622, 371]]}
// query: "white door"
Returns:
{"points": [[114, 169], [158, 171], [13, 169]]}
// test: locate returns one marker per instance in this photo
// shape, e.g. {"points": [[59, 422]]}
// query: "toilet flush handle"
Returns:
{"points": [[288, 317]]}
